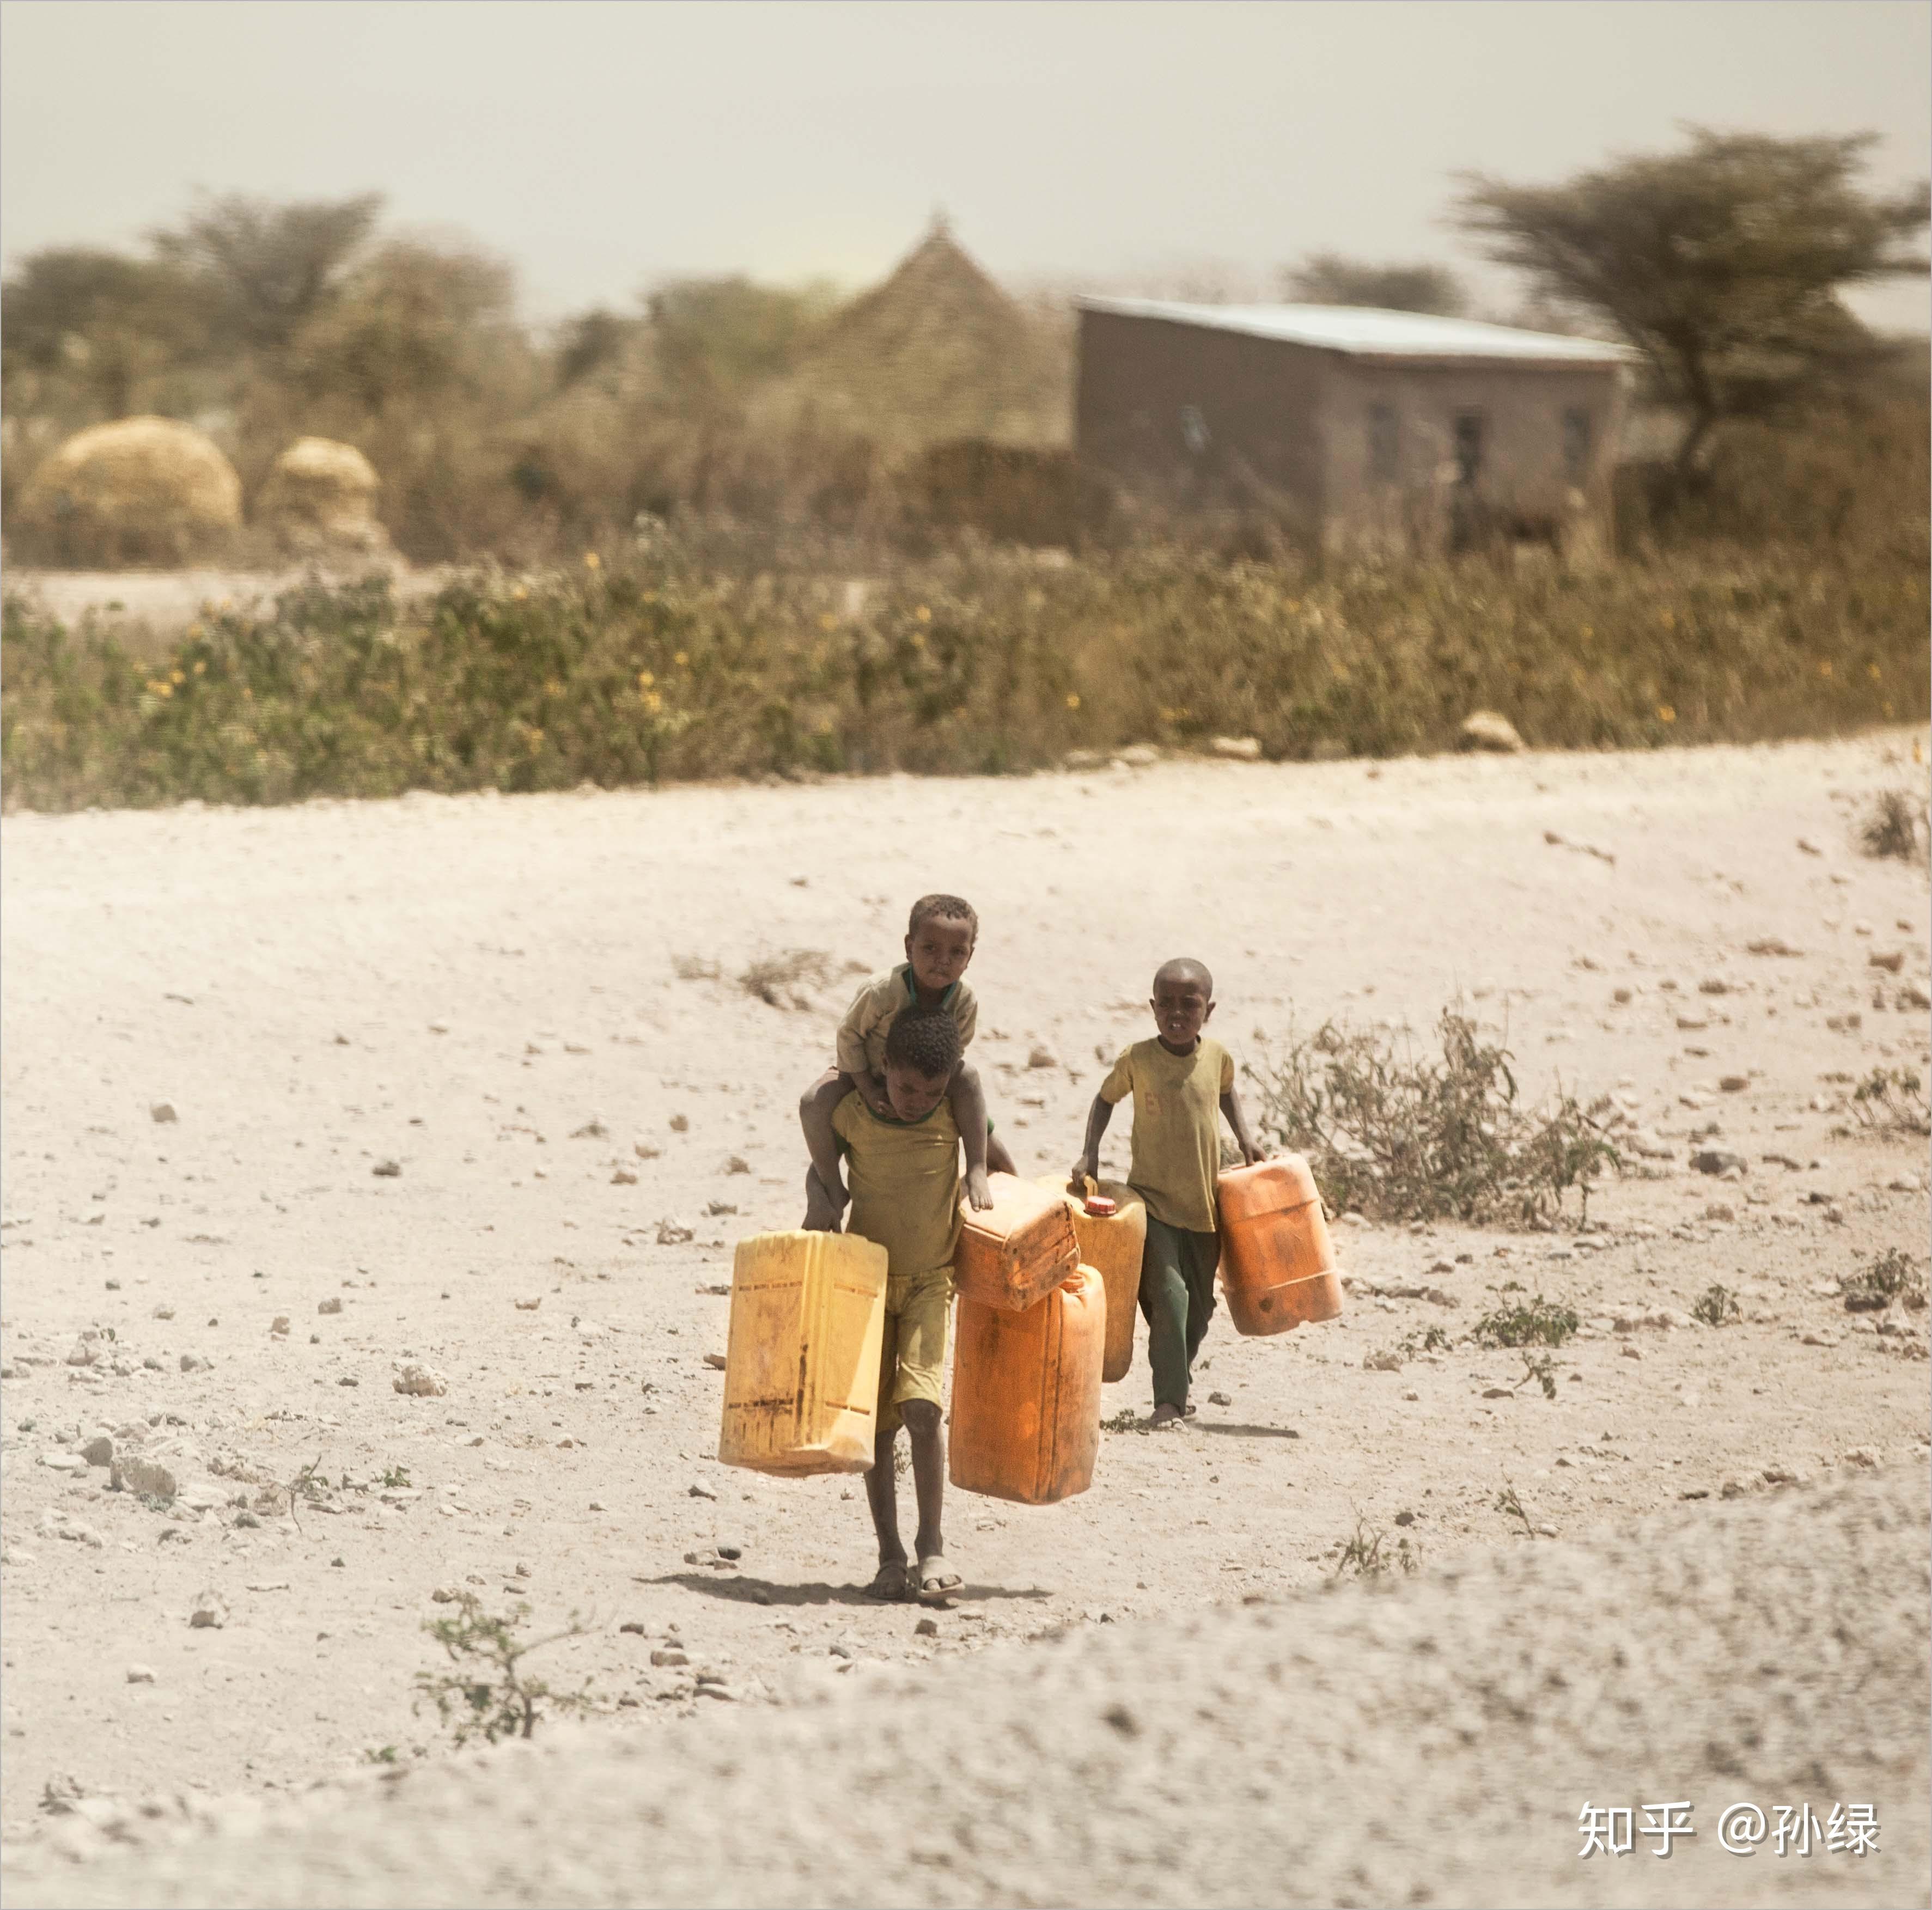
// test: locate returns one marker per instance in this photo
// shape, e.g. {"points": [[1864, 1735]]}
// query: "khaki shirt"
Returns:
{"points": [[1177, 1127], [862, 1035], [904, 1177]]}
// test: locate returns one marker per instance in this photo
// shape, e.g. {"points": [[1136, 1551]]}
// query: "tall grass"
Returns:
{"points": [[643, 663]]}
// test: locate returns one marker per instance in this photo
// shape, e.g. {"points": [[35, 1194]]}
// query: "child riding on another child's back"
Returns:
{"points": [[940, 940]]}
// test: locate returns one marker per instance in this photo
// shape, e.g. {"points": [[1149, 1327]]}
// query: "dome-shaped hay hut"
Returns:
{"points": [[319, 497], [140, 491]]}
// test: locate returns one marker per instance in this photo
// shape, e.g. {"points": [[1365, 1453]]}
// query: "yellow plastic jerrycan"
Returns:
{"points": [[1110, 1221], [802, 1367], [1277, 1261], [1025, 1422], [1020, 1248]]}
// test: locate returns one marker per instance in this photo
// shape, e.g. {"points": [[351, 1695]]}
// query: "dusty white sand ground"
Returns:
{"points": [[486, 993]]}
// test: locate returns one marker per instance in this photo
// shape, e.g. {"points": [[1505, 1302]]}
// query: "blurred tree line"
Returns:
{"points": [[1724, 263]]}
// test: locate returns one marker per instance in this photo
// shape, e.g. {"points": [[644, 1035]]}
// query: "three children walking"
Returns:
{"points": [[892, 1118]]}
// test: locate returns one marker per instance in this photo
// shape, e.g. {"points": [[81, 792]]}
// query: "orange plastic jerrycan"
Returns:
{"points": [[1111, 1242], [1025, 1422], [1018, 1250], [1277, 1261], [802, 1366]]}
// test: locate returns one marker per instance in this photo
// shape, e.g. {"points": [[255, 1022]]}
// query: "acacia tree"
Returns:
{"points": [[1327, 278], [1721, 263]]}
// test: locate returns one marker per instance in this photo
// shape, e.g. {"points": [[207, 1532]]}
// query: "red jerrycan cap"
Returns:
{"points": [[1099, 1207]]}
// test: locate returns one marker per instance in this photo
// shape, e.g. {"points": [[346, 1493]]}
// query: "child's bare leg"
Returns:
{"points": [[882, 1497], [968, 1100], [824, 1186], [997, 1159], [926, 1434]]}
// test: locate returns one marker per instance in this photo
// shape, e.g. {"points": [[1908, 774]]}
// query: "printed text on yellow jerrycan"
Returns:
{"points": [[802, 1367], [1277, 1261], [1025, 1422], [1111, 1244]]}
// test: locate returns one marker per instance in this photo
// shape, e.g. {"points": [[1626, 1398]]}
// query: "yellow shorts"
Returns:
{"points": [[912, 1355]]}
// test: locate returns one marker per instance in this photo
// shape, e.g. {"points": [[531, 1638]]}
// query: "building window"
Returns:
{"points": [[1576, 445], [1469, 434], [1193, 429], [1384, 444]]}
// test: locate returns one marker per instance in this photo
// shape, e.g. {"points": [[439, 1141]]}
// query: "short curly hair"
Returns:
{"points": [[926, 1042], [943, 908]]}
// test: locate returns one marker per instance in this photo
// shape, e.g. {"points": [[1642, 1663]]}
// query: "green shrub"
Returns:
{"points": [[657, 667], [1399, 1136], [1535, 1322]]}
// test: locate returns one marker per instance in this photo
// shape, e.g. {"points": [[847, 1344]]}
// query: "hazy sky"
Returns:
{"points": [[600, 146]]}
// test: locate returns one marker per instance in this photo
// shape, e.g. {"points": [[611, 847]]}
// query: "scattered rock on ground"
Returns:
{"points": [[1488, 729]]}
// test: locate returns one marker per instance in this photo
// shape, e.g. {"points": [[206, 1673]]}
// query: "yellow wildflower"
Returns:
{"points": [[924, 615], [645, 679], [827, 621], [1872, 671], [591, 560], [1665, 713], [653, 702], [682, 662], [201, 667], [1825, 667], [1073, 699], [175, 676]]}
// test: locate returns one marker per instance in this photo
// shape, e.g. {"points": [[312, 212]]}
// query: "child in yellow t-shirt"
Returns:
{"points": [[904, 1165], [1182, 1083], [939, 943]]}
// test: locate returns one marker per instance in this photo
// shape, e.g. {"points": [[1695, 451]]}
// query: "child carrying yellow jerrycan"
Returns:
{"points": [[1029, 1344]]}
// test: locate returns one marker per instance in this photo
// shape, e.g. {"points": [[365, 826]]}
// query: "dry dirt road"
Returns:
{"points": [[513, 1001]]}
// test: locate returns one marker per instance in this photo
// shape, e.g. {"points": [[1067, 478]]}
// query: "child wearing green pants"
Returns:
{"points": [[1182, 1084]]}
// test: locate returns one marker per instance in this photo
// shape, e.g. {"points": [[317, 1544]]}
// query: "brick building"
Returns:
{"points": [[1366, 430]]}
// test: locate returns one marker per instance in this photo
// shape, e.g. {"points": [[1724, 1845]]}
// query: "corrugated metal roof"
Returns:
{"points": [[1364, 332]]}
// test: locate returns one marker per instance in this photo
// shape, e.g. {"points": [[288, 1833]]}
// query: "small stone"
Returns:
{"points": [[737, 1164], [698, 1491], [680, 1123], [1489, 730], [1497, 1393], [528, 1306], [164, 1311], [163, 1111], [1867, 1456], [246, 1520], [926, 1628], [717, 1210], [622, 1177], [84, 1352], [1238, 749], [1714, 985], [1721, 1210], [333, 1304], [731, 1551], [674, 1233], [140, 1674], [1138, 756], [1220, 1399], [98, 1451], [716, 1361], [646, 1150], [279, 1326], [193, 1363], [1382, 1360], [1621, 997], [386, 1170], [1808, 847], [1715, 1160], [420, 1381], [209, 1612], [1042, 1056], [1411, 1394], [1732, 1488], [667, 1657], [1734, 1083]]}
